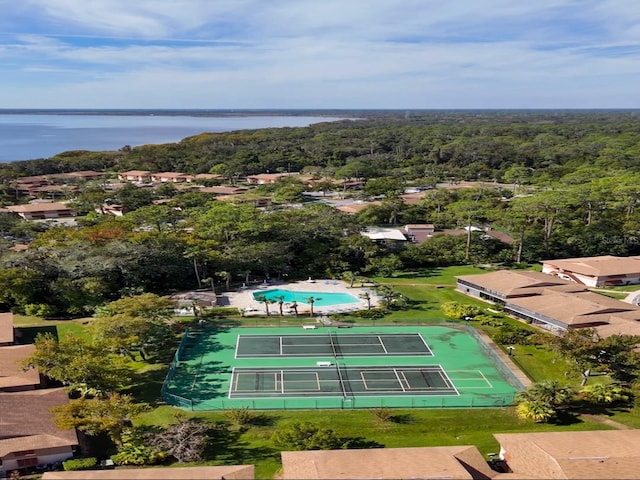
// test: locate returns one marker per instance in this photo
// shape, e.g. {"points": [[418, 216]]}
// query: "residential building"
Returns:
{"points": [[602, 454], [602, 271], [6, 329], [355, 207], [171, 177], [224, 190], [460, 462], [418, 233], [41, 210], [552, 303], [384, 235], [263, 178], [222, 472], [501, 285], [28, 437], [13, 377], [135, 176]]}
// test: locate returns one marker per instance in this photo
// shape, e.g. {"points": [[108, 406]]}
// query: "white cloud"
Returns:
{"points": [[309, 53]]}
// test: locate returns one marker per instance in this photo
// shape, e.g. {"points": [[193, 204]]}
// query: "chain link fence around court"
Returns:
{"points": [[196, 401]]}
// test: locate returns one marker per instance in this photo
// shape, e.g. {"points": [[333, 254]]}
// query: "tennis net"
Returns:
{"points": [[341, 380], [334, 346]]}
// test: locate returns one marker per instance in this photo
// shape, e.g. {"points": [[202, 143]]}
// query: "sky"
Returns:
{"points": [[320, 54]]}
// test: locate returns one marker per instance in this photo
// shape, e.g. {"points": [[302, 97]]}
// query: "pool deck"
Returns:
{"points": [[243, 298]]}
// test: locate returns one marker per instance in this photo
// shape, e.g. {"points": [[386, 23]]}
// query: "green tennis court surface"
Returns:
{"points": [[345, 381], [295, 368], [328, 343]]}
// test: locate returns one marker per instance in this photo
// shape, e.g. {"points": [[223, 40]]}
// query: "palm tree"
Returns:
{"points": [[539, 412], [541, 401], [280, 301], [226, 276], [265, 300], [604, 393], [294, 306], [366, 296], [552, 392], [311, 301], [350, 277]]}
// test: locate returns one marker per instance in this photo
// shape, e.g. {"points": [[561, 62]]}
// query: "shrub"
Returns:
{"points": [[372, 313], [39, 310], [80, 463], [220, 312], [602, 393], [382, 414], [240, 417], [511, 335]]}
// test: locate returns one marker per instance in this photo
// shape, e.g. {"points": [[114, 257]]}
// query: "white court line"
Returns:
{"points": [[281, 347], [481, 377], [382, 344], [364, 382], [400, 381], [281, 382]]}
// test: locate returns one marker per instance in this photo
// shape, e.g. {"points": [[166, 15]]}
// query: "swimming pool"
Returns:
{"points": [[321, 299]]}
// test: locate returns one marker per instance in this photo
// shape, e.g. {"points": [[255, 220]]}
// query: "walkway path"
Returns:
{"points": [[607, 421]]}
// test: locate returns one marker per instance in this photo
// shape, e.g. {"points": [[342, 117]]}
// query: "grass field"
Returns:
{"points": [[413, 427]]}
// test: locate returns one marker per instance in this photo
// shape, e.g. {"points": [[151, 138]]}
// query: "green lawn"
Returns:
{"points": [[426, 291], [432, 276], [29, 327], [414, 428]]}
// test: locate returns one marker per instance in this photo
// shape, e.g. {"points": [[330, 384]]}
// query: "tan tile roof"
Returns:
{"points": [[224, 190], [577, 308], [142, 173], [229, 472], [11, 371], [517, 282], [38, 207], [604, 265], [420, 462], [26, 420], [356, 207], [603, 454], [6, 327]]}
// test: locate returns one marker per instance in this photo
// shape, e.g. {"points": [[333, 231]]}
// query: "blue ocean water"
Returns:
{"points": [[31, 135]]}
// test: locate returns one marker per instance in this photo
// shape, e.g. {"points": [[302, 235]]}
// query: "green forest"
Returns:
{"points": [[558, 183]]}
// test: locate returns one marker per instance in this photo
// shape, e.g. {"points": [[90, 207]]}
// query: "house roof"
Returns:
{"points": [[601, 266], [224, 190], [375, 233], [575, 309], [11, 372], [272, 176], [355, 207], [419, 226], [458, 462], [26, 421], [601, 454], [142, 173], [511, 283], [178, 473], [38, 207], [6, 327], [170, 174]]}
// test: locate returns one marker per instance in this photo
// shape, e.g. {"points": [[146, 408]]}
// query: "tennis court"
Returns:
{"points": [[329, 343], [367, 367], [341, 380]]}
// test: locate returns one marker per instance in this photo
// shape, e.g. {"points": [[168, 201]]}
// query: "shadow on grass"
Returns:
{"points": [[608, 410], [403, 419], [227, 445], [565, 417], [27, 335], [148, 385]]}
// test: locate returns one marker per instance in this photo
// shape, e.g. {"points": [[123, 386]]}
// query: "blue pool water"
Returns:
{"points": [[322, 299]]}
